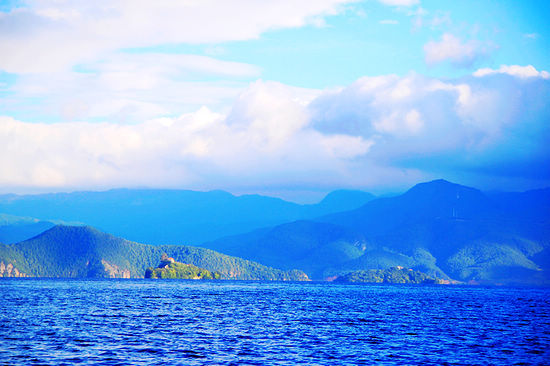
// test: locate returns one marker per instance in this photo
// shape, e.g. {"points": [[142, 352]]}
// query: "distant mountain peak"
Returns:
{"points": [[80, 232], [440, 183], [83, 251], [442, 186], [347, 194], [345, 199]]}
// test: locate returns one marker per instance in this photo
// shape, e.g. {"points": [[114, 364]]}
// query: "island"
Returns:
{"points": [[169, 268], [391, 275]]}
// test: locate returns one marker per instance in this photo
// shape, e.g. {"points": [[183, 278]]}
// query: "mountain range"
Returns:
{"points": [[85, 252], [443, 229], [172, 216]]}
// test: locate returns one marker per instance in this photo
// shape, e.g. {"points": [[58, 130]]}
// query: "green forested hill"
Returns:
{"points": [[170, 269], [440, 228], [77, 251], [390, 275]]}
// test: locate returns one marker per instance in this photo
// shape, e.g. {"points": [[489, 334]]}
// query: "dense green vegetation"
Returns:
{"points": [[440, 228], [76, 251], [310, 246], [168, 268], [390, 275]]}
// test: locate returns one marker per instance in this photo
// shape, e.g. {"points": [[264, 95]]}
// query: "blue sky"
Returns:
{"points": [[356, 43], [278, 97]]}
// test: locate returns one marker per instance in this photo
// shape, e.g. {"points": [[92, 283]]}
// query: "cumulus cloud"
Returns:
{"points": [[459, 53], [528, 71], [266, 136], [379, 131], [496, 126]]}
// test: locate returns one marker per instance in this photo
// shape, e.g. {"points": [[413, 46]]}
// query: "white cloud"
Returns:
{"points": [[66, 33], [384, 130], [449, 127], [125, 87], [515, 70], [453, 49], [73, 59], [402, 124], [399, 2], [267, 133]]}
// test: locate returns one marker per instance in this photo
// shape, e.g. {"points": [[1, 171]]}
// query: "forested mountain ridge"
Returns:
{"points": [[444, 229], [84, 252], [441, 228]]}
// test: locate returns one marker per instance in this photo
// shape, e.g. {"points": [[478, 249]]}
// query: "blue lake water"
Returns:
{"points": [[44, 321]]}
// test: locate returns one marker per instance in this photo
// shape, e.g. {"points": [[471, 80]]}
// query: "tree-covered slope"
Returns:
{"points": [[173, 216], [444, 229], [463, 232], [310, 246], [391, 275], [75, 251], [168, 268]]}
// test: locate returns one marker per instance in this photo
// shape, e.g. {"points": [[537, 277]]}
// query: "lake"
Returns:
{"points": [[143, 322]]}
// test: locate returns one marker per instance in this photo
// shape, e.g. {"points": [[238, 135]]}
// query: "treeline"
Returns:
{"points": [[73, 251], [390, 275]]}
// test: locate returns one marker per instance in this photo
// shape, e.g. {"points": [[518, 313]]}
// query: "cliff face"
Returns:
{"points": [[104, 269], [10, 270]]}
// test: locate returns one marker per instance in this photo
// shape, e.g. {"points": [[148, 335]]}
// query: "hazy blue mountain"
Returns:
{"points": [[341, 200], [444, 229], [14, 229], [529, 205], [311, 246], [436, 199], [79, 251], [173, 216]]}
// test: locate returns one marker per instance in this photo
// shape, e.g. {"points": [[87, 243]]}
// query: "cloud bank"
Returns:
{"points": [[379, 131], [266, 137]]}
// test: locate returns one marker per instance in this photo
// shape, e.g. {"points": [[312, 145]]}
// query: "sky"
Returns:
{"points": [[285, 98]]}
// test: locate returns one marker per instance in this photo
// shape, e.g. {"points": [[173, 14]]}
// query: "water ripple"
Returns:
{"points": [[141, 322]]}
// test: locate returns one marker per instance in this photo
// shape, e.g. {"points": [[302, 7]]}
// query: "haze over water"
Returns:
{"points": [[47, 321]]}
